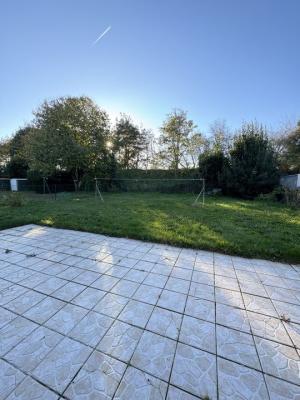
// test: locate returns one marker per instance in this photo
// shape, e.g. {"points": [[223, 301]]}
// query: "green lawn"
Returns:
{"points": [[257, 229]]}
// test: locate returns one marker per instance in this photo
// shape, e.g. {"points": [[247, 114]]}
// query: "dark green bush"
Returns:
{"points": [[211, 167], [253, 166]]}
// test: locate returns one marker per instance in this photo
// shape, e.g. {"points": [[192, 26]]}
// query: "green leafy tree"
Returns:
{"points": [[129, 143], [4, 156], [195, 147], [70, 134], [18, 165], [290, 151], [253, 165], [178, 137]]}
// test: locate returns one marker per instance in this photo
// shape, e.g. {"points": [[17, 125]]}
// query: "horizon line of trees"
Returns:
{"points": [[73, 136]]}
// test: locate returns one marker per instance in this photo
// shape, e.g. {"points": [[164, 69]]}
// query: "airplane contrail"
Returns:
{"points": [[101, 36]]}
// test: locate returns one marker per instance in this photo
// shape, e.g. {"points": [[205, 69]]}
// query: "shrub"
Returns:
{"points": [[13, 199], [253, 166], [292, 197], [211, 168]]}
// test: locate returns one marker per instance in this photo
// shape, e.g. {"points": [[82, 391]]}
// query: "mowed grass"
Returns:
{"points": [[257, 229]]}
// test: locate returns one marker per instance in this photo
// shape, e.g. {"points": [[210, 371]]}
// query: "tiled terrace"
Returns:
{"points": [[85, 316]]}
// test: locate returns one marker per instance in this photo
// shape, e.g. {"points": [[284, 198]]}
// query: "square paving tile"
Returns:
{"points": [[34, 280], [89, 297], [227, 283], [147, 294], [247, 276], [98, 378], [279, 360], [291, 311], [200, 308], [13, 332], [281, 390], [198, 333], [60, 366], [172, 301], [11, 293], [232, 317], [91, 328], [120, 341], [268, 328], [229, 297], [10, 377], [203, 277], [156, 280], [70, 273], [259, 305], [182, 273], [4, 284], [86, 277], [166, 323], [136, 275], [44, 310], [162, 269], [177, 394], [282, 294], [195, 371], [111, 305], [25, 302], [204, 267], [136, 313], [65, 319], [31, 389], [206, 292], [225, 270], [116, 271], [125, 288], [237, 382], [137, 385], [68, 291], [105, 282], [254, 288], [294, 332], [31, 351], [178, 285], [6, 316], [50, 285], [237, 346], [154, 354]]}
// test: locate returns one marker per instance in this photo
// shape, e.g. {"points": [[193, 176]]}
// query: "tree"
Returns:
{"points": [[290, 150], [211, 167], [178, 141], [220, 136], [4, 156], [129, 142], [253, 166], [17, 165], [148, 155], [196, 146], [69, 134], [213, 161]]}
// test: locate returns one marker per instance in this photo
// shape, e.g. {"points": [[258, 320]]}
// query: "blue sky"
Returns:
{"points": [[229, 59]]}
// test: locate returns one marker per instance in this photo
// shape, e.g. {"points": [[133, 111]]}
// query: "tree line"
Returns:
{"points": [[73, 137]]}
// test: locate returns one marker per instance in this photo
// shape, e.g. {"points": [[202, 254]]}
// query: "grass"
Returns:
{"points": [[257, 229]]}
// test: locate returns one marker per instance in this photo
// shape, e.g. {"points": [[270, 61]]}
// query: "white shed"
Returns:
{"points": [[17, 184], [291, 181]]}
